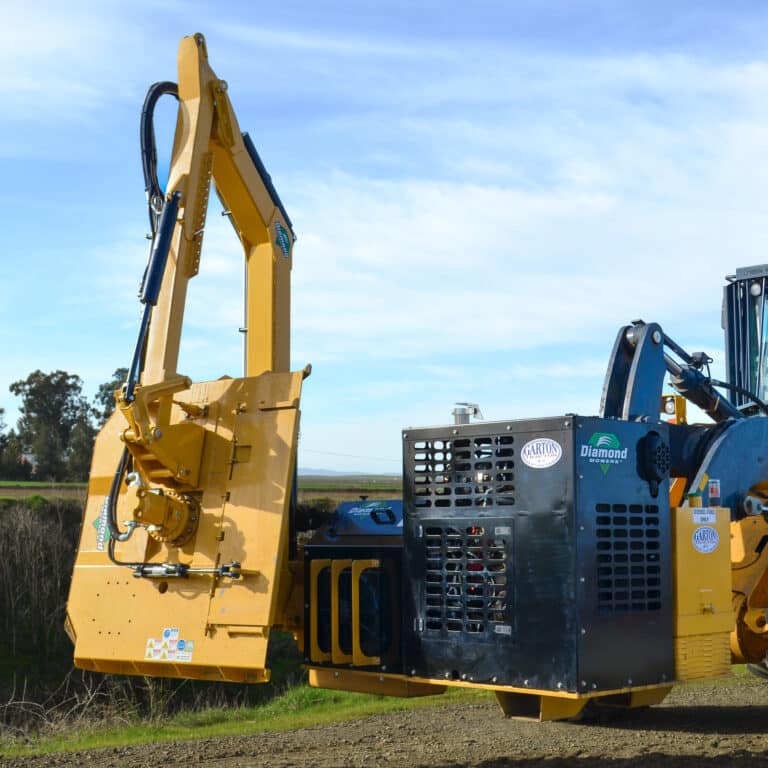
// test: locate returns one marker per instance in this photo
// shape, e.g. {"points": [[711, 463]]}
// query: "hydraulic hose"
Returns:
{"points": [[149, 148]]}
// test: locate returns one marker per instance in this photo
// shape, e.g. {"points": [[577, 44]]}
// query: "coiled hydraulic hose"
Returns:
{"points": [[155, 197]]}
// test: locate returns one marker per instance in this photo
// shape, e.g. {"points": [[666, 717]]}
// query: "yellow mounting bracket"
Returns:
{"points": [[164, 453]]}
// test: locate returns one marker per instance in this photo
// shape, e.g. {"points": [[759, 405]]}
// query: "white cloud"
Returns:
{"points": [[475, 220], [330, 45]]}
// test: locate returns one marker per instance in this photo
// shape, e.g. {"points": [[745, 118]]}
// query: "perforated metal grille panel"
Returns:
{"points": [[466, 577], [465, 472], [628, 557]]}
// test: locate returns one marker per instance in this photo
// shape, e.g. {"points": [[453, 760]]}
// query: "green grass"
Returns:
{"points": [[298, 707], [350, 483], [38, 484], [306, 483]]}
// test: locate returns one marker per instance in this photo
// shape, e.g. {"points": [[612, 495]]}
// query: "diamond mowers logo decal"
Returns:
{"points": [[604, 448], [102, 529], [282, 241]]}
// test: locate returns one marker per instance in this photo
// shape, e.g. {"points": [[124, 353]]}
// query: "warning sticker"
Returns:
{"points": [[704, 516], [713, 489], [169, 647]]}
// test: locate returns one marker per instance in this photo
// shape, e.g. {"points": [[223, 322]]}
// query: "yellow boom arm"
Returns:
{"points": [[183, 561]]}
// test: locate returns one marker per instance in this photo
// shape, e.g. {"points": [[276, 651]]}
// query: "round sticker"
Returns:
{"points": [[541, 453], [705, 539]]}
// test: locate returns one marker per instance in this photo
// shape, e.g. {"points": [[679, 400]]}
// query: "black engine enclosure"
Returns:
{"points": [[536, 554]]}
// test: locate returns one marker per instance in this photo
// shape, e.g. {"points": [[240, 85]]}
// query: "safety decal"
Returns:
{"points": [[541, 453], [704, 516], [102, 529], [169, 647], [713, 489], [605, 449], [705, 539], [282, 240]]}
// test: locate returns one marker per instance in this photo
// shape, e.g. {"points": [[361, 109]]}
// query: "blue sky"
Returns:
{"points": [[483, 194]]}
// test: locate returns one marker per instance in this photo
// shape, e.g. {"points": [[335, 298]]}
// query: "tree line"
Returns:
{"points": [[53, 438]]}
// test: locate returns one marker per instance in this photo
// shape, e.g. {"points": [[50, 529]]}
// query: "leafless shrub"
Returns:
{"points": [[40, 691]]}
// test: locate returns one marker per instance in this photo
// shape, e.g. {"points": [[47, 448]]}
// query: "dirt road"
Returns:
{"points": [[697, 727]]}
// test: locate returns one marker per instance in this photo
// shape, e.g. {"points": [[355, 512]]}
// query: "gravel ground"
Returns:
{"points": [[697, 727]]}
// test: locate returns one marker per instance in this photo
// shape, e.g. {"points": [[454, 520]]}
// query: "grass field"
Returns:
{"points": [[336, 487]]}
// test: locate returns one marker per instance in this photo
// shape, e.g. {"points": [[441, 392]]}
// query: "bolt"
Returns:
{"points": [[525, 682], [559, 685], [583, 683], [381, 679], [447, 675], [582, 579], [594, 686], [508, 427], [454, 431], [656, 337], [156, 434], [464, 676], [629, 681], [583, 631], [581, 527], [336, 675], [413, 671], [494, 679]]}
